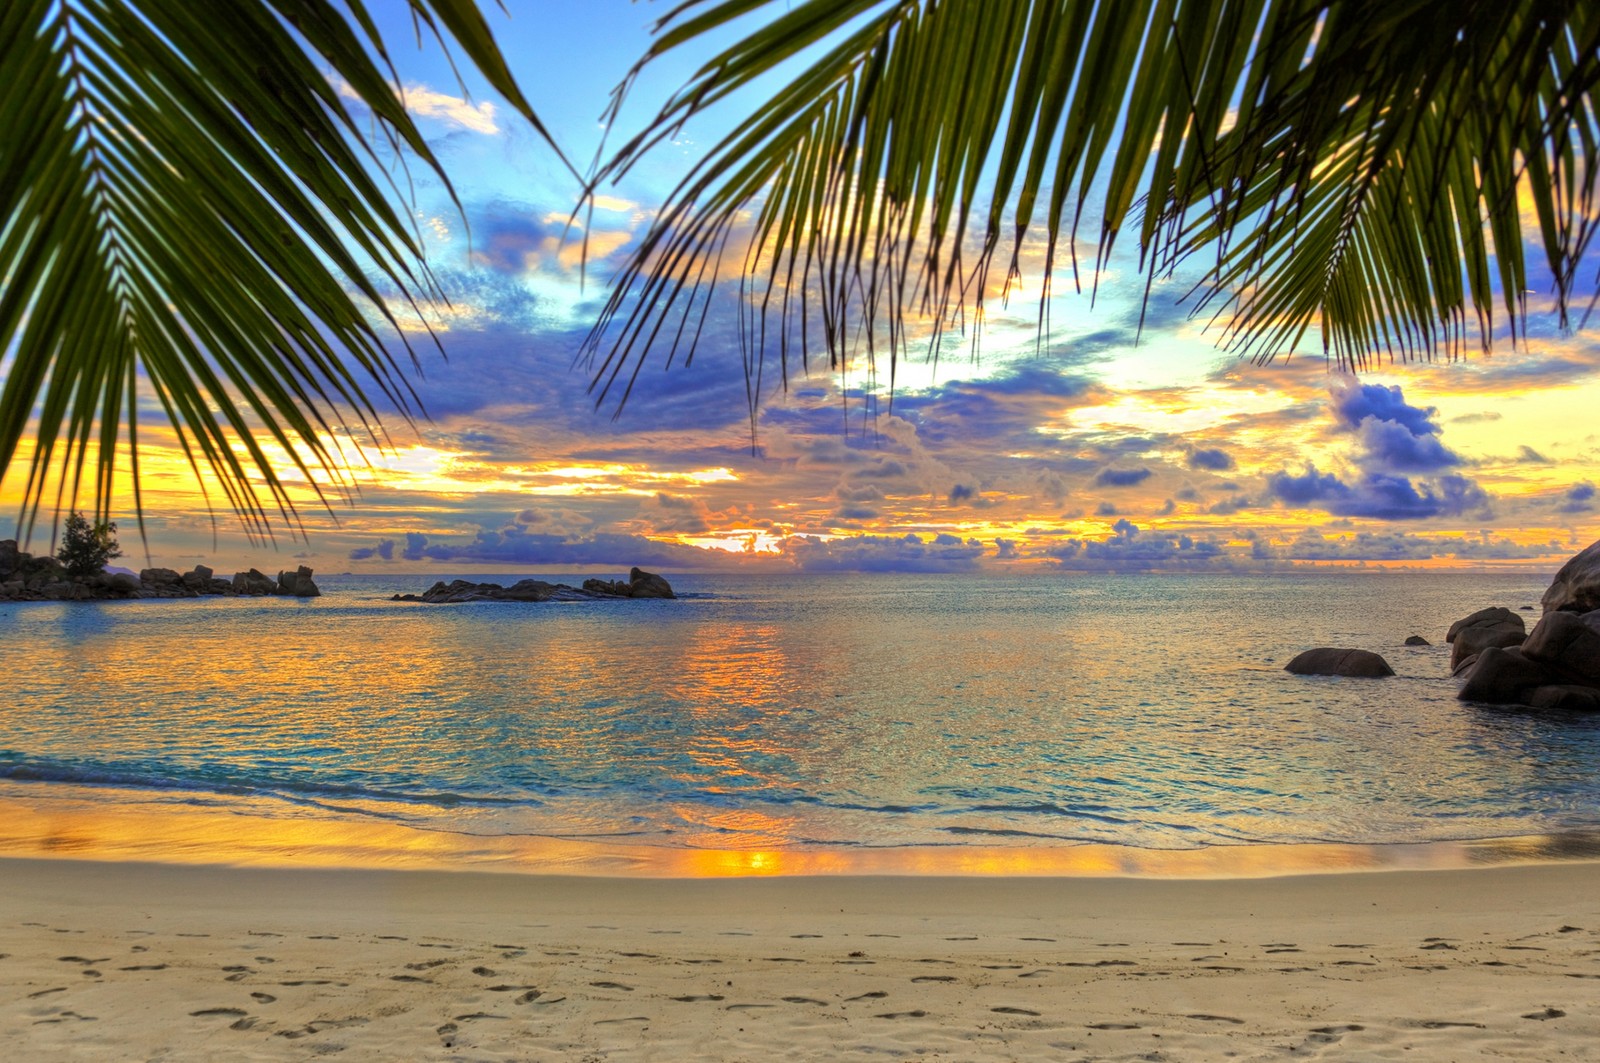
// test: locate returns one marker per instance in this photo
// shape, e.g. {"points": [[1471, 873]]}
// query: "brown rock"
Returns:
{"points": [[1330, 661], [1565, 696], [1487, 627], [1417, 640], [642, 584], [1504, 677], [1564, 641], [1576, 588]]}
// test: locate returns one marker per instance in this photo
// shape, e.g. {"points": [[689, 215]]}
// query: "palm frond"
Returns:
{"points": [[191, 208], [1353, 166]]}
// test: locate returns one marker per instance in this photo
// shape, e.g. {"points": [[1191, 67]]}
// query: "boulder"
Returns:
{"points": [[1576, 588], [1505, 677], [123, 583], [1564, 696], [254, 582], [1568, 644], [159, 577], [642, 584], [297, 584], [1487, 627], [10, 559], [1330, 661], [1417, 640]]}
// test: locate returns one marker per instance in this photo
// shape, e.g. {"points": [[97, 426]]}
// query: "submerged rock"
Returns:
{"points": [[1417, 640], [1330, 661]]}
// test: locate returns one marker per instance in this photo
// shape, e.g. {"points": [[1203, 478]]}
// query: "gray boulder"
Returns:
{"points": [[1576, 588], [1487, 627], [1564, 696], [1417, 640], [254, 582], [642, 584], [1568, 644], [1504, 676], [297, 584], [1331, 661]]}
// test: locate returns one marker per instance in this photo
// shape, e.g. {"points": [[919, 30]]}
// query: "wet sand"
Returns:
{"points": [[104, 960]]}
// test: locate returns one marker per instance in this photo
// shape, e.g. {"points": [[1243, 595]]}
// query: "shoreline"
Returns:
{"points": [[139, 960], [83, 829]]}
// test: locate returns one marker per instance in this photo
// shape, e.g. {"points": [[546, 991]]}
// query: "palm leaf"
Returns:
{"points": [[193, 218], [1347, 166]]}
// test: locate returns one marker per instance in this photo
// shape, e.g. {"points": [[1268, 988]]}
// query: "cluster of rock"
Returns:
{"points": [[639, 584], [1501, 662], [1556, 665], [26, 578]]}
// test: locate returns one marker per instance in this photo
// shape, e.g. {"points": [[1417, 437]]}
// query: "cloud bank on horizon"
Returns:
{"points": [[1125, 441]]}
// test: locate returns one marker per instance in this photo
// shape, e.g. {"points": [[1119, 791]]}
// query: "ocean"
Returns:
{"points": [[839, 722]]}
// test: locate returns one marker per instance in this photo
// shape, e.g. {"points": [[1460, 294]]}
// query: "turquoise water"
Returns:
{"points": [[802, 713]]}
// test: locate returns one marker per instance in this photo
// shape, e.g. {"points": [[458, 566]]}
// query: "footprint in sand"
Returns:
{"points": [[321, 1025], [481, 972], [1002, 966], [1445, 1024], [423, 965], [1328, 1035], [805, 935], [876, 994], [145, 967], [805, 1000], [263, 998], [639, 955], [1547, 1013], [934, 978], [509, 988], [232, 1013], [1014, 1011], [612, 985], [1102, 963], [528, 998], [1114, 1026], [47, 992], [693, 999], [917, 1014], [410, 978], [630, 1018], [1216, 1018]]}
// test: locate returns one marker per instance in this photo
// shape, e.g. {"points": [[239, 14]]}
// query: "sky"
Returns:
{"points": [[1106, 447]]}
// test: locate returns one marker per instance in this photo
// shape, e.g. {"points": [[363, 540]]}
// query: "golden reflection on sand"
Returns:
{"points": [[76, 829]]}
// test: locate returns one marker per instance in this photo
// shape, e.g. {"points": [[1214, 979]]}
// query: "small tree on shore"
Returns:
{"points": [[85, 547]]}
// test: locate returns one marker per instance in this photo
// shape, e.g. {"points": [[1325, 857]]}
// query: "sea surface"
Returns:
{"points": [[778, 717]]}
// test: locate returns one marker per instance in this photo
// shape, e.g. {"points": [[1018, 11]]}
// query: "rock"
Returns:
{"points": [[642, 584], [159, 577], [1464, 667], [1417, 640], [123, 583], [254, 582], [1487, 627], [1568, 644], [1504, 677], [1576, 588], [1564, 696], [297, 584], [10, 559], [1329, 661]]}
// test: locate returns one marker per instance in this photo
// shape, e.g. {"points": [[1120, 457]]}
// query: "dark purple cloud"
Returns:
{"points": [[1377, 496], [884, 553], [1128, 549], [1211, 460], [1122, 477]]}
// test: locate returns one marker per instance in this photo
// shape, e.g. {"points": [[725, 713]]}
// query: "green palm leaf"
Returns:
{"points": [[192, 214], [1352, 166]]}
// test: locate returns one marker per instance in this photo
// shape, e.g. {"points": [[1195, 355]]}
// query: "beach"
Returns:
{"points": [[128, 960]]}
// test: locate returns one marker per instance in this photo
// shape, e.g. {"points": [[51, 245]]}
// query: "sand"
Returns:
{"points": [[136, 961]]}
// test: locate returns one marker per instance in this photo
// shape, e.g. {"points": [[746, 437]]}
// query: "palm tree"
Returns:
{"points": [[1362, 167], [189, 197]]}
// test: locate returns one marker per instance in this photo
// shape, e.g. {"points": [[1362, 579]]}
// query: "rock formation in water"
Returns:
{"points": [[24, 577], [1327, 660], [639, 584], [1557, 664]]}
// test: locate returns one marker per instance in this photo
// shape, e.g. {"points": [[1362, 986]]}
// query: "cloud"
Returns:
{"points": [[514, 546], [384, 551], [1128, 549], [1211, 460], [1396, 545], [1394, 435], [884, 553], [1122, 477], [425, 102], [962, 493], [1578, 499], [1377, 496]]}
